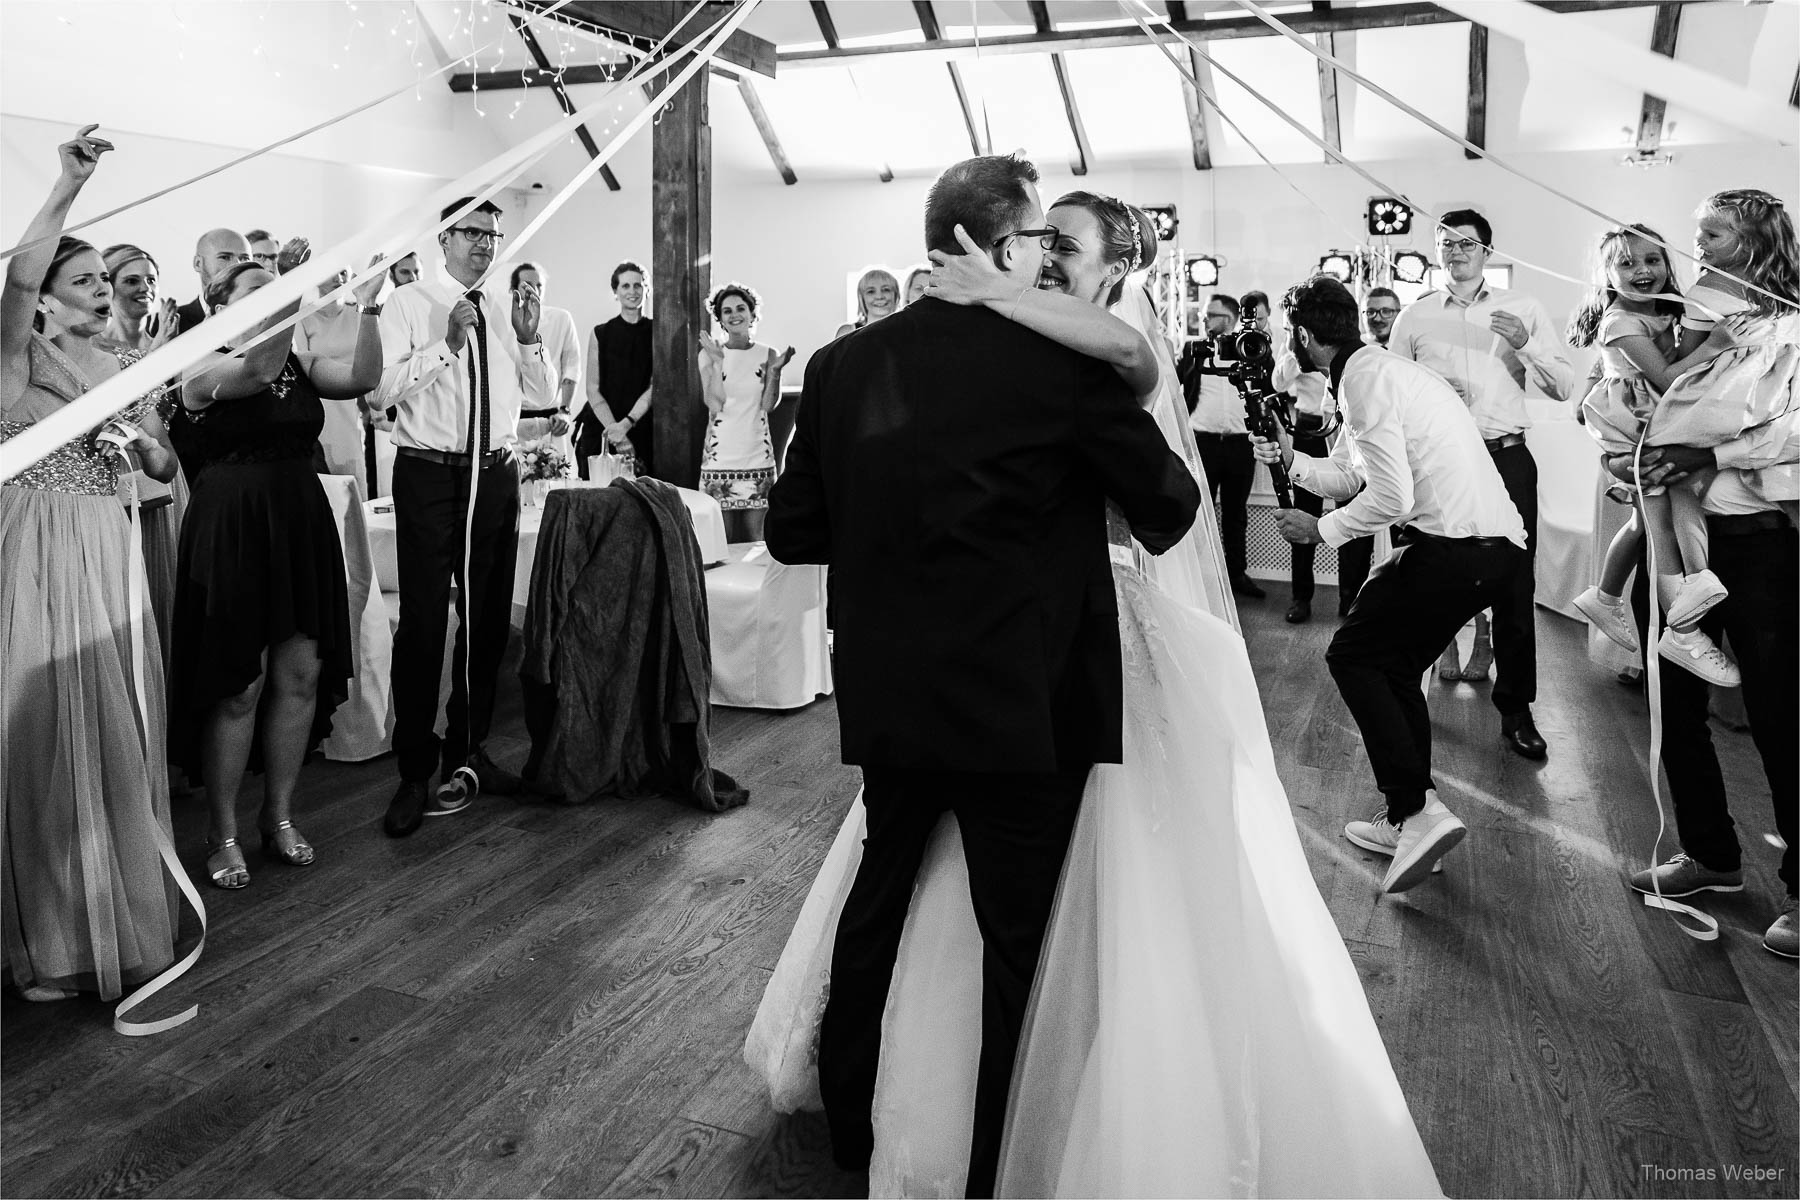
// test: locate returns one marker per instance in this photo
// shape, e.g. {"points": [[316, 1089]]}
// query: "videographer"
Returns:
{"points": [[1412, 448], [1216, 415]]}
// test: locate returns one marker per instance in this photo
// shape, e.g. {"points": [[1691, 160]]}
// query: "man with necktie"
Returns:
{"points": [[460, 351]]}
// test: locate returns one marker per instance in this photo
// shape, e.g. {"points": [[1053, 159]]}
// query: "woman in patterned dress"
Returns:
{"points": [[741, 381]]}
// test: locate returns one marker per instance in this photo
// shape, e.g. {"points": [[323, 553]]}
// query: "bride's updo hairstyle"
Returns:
{"points": [[1127, 234]]}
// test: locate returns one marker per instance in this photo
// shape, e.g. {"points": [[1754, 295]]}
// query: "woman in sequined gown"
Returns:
{"points": [[1197, 1027], [83, 783]]}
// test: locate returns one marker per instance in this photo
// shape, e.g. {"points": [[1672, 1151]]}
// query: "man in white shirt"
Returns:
{"points": [[1487, 342], [1410, 455], [1381, 306], [1216, 415], [552, 411], [459, 351], [1755, 551]]}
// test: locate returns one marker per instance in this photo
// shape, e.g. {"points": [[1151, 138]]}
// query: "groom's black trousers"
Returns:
{"points": [[1015, 833]]}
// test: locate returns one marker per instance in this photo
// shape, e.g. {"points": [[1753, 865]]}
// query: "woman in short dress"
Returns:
{"points": [[741, 381]]}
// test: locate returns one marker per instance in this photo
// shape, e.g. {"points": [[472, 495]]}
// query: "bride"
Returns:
{"points": [[1196, 1026]]}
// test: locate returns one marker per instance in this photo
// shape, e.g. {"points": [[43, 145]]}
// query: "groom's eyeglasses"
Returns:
{"points": [[1046, 237]]}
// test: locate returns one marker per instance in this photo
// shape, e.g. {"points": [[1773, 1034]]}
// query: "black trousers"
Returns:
{"points": [[1354, 557], [1015, 834], [1405, 614], [1230, 466], [431, 502], [1761, 617], [1515, 609], [1302, 561]]}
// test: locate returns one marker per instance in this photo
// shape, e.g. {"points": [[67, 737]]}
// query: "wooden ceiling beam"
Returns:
{"points": [[1663, 36], [766, 128], [562, 97], [1196, 115], [1338, 20], [651, 21], [1084, 151], [1330, 114], [928, 24], [1476, 128]]}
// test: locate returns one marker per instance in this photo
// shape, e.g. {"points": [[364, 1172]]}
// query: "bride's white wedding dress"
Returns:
{"points": [[1197, 1027]]}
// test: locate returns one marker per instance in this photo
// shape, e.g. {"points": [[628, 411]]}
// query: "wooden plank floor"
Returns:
{"points": [[529, 1000]]}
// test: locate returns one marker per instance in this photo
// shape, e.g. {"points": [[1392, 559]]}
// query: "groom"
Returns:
{"points": [[953, 469]]}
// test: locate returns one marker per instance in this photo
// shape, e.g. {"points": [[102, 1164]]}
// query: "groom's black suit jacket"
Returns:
{"points": [[953, 468]]}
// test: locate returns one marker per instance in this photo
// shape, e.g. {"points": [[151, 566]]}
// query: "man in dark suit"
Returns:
{"points": [[217, 251], [953, 468]]}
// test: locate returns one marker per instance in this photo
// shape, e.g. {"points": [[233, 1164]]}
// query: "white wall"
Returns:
{"points": [[796, 244]]}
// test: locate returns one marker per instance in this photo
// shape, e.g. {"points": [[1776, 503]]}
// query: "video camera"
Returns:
{"points": [[1247, 359]]}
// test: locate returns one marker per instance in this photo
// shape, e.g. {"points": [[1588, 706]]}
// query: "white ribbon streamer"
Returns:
{"points": [[402, 226]]}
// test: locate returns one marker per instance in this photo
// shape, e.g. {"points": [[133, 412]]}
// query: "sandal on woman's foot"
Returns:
{"points": [[225, 864], [287, 843]]}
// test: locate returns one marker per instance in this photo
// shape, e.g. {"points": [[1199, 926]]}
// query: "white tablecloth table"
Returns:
{"points": [[709, 531], [363, 725]]}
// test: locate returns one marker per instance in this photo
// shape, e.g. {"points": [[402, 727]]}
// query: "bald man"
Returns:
{"points": [[216, 252]]}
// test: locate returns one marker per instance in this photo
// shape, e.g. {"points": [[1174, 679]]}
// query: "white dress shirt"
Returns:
{"points": [[1220, 407], [1310, 389], [1412, 447], [562, 348], [1455, 339], [1774, 444], [429, 385]]}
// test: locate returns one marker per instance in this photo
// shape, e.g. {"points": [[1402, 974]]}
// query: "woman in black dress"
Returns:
{"points": [[617, 416], [262, 622]]}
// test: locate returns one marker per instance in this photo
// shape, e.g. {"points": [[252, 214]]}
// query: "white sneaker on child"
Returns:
{"points": [[1697, 654], [1611, 618], [1699, 593]]}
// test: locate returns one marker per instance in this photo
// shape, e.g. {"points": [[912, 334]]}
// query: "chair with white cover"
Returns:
{"points": [[363, 725], [769, 647], [1567, 462]]}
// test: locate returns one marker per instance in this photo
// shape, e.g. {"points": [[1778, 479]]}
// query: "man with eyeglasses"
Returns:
{"points": [[265, 248], [1380, 307], [1216, 415], [1488, 342], [461, 353]]}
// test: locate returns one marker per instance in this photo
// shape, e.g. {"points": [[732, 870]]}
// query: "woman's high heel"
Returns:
{"points": [[296, 852], [225, 861]]}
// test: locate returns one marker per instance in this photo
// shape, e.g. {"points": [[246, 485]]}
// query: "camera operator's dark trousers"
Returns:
{"points": [[1407, 612], [1757, 557], [431, 500], [1015, 830], [1230, 466], [1354, 557], [1515, 610], [1305, 501]]}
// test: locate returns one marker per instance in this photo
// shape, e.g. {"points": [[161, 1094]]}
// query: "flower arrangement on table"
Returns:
{"points": [[542, 458]]}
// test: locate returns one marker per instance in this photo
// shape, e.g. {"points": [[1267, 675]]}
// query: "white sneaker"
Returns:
{"points": [[1614, 620], [1425, 837], [1697, 654], [1699, 593], [1379, 835]]}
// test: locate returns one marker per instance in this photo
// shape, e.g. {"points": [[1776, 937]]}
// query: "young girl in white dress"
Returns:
{"points": [[1196, 1026]]}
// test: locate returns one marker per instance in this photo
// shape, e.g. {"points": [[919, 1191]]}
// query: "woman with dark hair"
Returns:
{"points": [[621, 355], [741, 381], [1192, 1032], [262, 622], [877, 296], [83, 783]]}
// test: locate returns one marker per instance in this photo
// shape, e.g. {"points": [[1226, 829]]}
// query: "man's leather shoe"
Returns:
{"points": [[495, 779], [406, 811], [1299, 612], [1521, 734], [1243, 586]]}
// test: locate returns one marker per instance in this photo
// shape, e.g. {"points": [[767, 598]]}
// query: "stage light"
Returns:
{"points": [[1163, 218], [1338, 265], [1410, 266], [1203, 271], [1389, 217]]}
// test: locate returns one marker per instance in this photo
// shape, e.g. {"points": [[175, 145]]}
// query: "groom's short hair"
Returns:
{"points": [[985, 195]]}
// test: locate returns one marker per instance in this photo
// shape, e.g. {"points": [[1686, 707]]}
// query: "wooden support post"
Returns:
{"points": [[1330, 120], [681, 268], [1478, 89]]}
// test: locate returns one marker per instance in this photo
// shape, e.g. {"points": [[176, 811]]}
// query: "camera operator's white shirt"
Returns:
{"points": [[1411, 445]]}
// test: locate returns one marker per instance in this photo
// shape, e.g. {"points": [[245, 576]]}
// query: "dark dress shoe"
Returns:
{"points": [[1242, 585], [495, 779], [1299, 612], [406, 811], [1521, 734]]}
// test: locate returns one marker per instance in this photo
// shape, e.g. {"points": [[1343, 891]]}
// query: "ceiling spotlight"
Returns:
{"points": [[1163, 218], [1203, 271], [1389, 217], [1410, 266], [1338, 265]]}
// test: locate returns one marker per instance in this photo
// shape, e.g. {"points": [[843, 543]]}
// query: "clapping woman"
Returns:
{"points": [[262, 623], [84, 789], [741, 382]]}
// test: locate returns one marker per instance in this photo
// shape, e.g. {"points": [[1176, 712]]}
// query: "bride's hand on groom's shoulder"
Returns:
{"points": [[968, 278]]}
